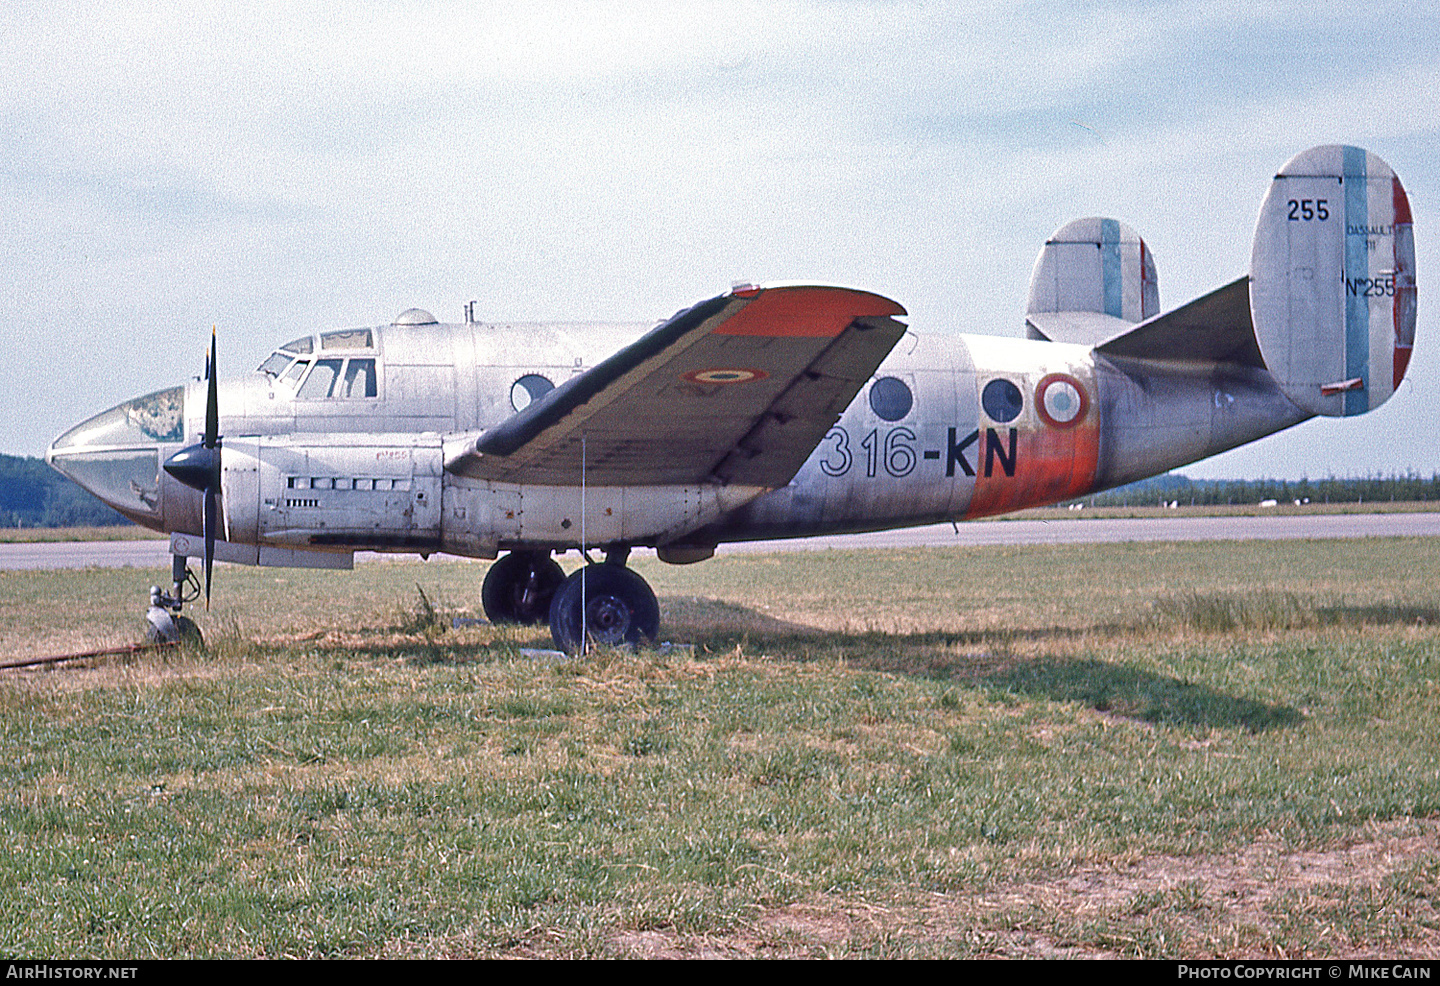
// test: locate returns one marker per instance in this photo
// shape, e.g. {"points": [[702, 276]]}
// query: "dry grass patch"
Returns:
{"points": [[1227, 906]]}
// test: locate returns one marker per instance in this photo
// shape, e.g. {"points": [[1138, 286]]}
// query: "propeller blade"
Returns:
{"points": [[212, 441], [212, 398], [198, 465]]}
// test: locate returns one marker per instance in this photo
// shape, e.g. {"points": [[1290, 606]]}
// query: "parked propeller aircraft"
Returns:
{"points": [[765, 412]]}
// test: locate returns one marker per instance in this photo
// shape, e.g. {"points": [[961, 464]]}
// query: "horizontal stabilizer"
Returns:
{"points": [[1080, 328], [1213, 328]]}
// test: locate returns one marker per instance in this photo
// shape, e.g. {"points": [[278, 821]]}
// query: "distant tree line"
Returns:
{"points": [[1173, 487], [34, 495]]}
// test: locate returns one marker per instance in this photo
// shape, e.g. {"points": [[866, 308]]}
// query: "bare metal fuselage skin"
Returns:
{"points": [[948, 428]]}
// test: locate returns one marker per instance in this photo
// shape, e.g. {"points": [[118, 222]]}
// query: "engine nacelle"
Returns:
{"points": [[389, 492], [333, 491], [483, 517]]}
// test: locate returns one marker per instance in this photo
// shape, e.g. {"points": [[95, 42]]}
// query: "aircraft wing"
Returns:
{"points": [[738, 389], [1215, 327]]}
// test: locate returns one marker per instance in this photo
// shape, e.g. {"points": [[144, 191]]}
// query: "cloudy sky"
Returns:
{"points": [[274, 168]]}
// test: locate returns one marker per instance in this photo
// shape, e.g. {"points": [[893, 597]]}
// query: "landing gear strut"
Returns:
{"points": [[165, 624]]}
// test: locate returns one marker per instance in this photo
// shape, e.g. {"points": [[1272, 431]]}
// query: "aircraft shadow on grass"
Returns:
{"points": [[1135, 693], [1116, 689], [980, 658], [1382, 614]]}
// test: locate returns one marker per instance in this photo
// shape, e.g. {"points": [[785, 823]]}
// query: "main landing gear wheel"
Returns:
{"points": [[518, 588], [617, 609]]}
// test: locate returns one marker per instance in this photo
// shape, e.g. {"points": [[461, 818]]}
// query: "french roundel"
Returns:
{"points": [[1061, 401], [725, 375]]}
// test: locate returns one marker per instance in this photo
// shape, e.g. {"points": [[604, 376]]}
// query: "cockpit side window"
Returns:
{"points": [[296, 371], [359, 379], [305, 344], [342, 379], [321, 381]]}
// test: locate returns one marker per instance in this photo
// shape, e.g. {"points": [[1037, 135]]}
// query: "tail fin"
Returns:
{"points": [[1094, 280], [1332, 281]]}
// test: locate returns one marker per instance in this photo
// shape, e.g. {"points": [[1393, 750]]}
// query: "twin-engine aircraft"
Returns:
{"points": [[767, 412]]}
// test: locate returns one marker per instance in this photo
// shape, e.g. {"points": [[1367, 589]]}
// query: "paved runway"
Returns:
{"points": [[1104, 530], [155, 554]]}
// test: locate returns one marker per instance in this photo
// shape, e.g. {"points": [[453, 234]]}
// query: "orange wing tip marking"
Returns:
{"points": [[1354, 383], [724, 375], [804, 313], [1061, 401]]}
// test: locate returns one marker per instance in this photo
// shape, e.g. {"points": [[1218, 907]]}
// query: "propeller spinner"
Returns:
{"points": [[198, 465]]}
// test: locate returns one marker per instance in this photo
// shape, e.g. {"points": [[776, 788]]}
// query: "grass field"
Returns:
{"points": [[117, 532], [1204, 749]]}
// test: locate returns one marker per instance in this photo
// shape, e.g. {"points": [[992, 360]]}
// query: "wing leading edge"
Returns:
{"points": [[737, 389]]}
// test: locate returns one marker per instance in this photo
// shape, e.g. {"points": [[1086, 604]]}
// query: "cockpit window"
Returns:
{"points": [[296, 371], [278, 362], [275, 364], [321, 380], [347, 339], [345, 379], [359, 379]]}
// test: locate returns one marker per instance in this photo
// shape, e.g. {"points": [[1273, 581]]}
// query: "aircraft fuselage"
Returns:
{"points": [[948, 428]]}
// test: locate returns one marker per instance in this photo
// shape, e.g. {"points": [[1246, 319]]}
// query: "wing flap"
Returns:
{"points": [[737, 389]]}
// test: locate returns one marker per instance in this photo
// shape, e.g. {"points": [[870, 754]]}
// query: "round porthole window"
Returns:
{"points": [[529, 389], [1001, 400], [890, 398]]}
